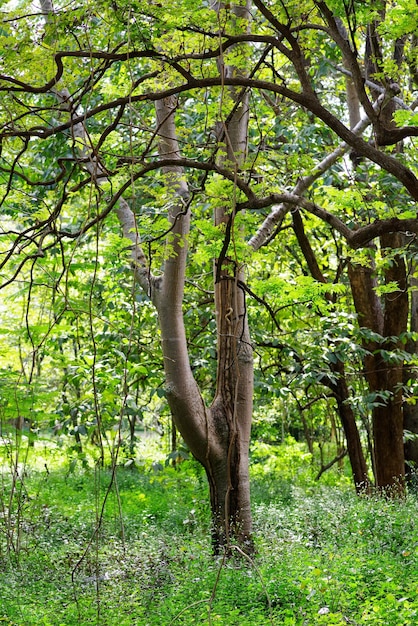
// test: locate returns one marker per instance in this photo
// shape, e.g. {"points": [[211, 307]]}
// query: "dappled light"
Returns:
{"points": [[208, 313]]}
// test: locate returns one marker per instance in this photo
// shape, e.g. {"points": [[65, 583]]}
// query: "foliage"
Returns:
{"points": [[324, 555], [78, 333]]}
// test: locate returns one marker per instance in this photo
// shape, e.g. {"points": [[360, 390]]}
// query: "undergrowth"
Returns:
{"points": [[79, 548]]}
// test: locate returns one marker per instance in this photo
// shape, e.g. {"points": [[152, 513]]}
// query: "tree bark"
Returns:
{"points": [[231, 410], [183, 394], [218, 436], [410, 411], [349, 424], [339, 388], [383, 374]]}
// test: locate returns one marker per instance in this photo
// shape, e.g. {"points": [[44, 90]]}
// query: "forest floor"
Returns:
{"points": [[79, 548]]}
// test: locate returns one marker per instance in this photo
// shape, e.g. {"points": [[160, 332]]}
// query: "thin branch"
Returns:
{"points": [[326, 467], [265, 304], [307, 100], [355, 238]]}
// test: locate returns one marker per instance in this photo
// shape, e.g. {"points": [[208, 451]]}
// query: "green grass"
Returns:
{"points": [[324, 556]]}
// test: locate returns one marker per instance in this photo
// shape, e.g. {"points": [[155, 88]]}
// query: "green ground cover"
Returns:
{"points": [[75, 552]]}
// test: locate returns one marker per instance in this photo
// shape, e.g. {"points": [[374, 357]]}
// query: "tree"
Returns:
{"points": [[218, 436], [161, 110], [384, 360]]}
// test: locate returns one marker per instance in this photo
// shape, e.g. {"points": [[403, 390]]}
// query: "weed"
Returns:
{"points": [[324, 555]]}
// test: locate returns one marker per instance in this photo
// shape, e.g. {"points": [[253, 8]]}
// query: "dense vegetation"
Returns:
{"points": [[208, 271], [83, 547]]}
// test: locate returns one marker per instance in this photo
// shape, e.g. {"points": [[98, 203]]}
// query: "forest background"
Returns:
{"points": [[208, 238]]}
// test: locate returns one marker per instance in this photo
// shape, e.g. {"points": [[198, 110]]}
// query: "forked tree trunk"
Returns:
{"points": [[231, 411], [217, 436], [388, 319]]}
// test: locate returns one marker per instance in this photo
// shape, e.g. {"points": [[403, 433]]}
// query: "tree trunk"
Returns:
{"points": [[339, 388], [383, 373], [410, 411], [231, 414], [382, 377], [349, 424], [219, 436], [183, 394], [231, 410]]}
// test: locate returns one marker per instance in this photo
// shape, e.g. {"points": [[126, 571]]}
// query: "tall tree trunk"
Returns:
{"points": [[231, 410], [382, 377], [388, 419], [387, 376], [410, 411], [384, 374], [339, 388], [218, 436]]}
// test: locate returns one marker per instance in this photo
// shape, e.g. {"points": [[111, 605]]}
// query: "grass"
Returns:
{"points": [[324, 556]]}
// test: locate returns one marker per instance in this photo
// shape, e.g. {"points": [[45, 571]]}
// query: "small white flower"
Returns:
{"points": [[323, 610]]}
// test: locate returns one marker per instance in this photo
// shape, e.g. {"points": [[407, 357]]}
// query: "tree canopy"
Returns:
{"points": [[236, 180]]}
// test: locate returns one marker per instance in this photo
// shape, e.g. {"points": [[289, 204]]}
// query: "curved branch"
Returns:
{"points": [[309, 101], [16, 85], [351, 60], [40, 183], [355, 238], [327, 466], [260, 300]]}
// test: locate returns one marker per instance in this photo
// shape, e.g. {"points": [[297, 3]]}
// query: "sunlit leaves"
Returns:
{"points": [[401, 18], [86, 314], [405, 118], [303, 289], [391, 287]]}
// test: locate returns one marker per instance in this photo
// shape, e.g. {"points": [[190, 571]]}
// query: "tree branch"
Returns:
{"points": [[309, 101], [355, 238], [335, 460]]}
